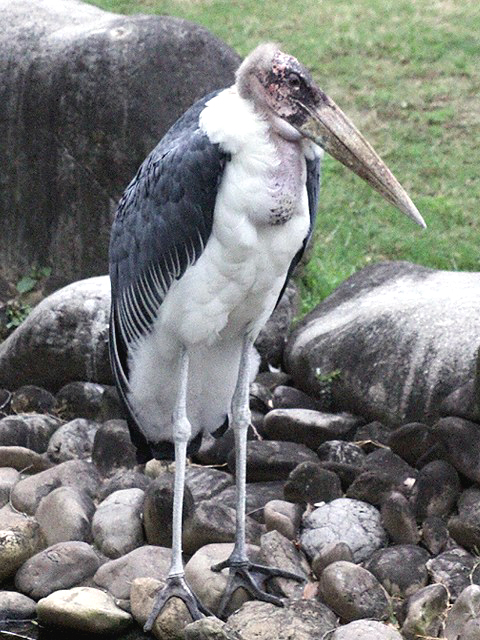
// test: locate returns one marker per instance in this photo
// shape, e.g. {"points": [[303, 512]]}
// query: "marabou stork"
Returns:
{"points": [[204, 240]]}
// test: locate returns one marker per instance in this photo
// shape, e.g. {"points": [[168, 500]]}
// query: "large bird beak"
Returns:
{"points": [[330, 128]]}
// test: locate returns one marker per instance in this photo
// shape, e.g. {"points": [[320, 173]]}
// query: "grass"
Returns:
{"points": [[408, 73]]}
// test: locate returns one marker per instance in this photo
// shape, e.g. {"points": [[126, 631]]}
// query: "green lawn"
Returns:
{"points": [[407, 72]]}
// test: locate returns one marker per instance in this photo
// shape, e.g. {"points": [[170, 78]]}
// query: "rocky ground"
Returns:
{"points": [[384, 532]]}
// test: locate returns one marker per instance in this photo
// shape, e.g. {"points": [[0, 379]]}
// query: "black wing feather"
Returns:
{"points": [[162, 225]]}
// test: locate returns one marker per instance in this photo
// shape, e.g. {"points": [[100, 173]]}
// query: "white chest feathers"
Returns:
{"points": [[261, 219]]}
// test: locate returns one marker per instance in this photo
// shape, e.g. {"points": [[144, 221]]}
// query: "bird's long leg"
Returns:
{"points": [[244, 573], [176, 585]]}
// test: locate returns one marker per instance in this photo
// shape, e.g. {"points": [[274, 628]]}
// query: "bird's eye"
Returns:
{"points": [[294, 81]]}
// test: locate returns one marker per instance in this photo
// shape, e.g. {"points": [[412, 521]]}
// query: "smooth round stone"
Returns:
{"points": [[308, 427], [353, 592], [471, 630], [73, 440], [365, 630], [209, 628], [280, 552], [210, 585], [464, 610], [310, 483], [32, 399], [81, 400], [411, 441], [425, 612], [117, 523], [387, 462], [355, 523], [285, 397], [372, 435], [158, 509], [302, 619], [257, 496], [400, 569], [341, 451], [29, 430], [435, 535], [214, 522], [172, 619], [272, 460], [83, 609], [372, 487], [465, 527], [123, 479], [460, 438], [16, 606], [21, 458], [118, 575], [452, 568], [20, 538], [60, 566], [80, 474], [436, 490], [66, 514], [113, 448], [205, 483], [8, 478], [331, 552]]}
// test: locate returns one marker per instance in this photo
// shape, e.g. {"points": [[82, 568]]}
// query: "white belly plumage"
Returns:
{"points": [[230, 290]]}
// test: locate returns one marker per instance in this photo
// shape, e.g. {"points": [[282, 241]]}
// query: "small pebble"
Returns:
{"points": [[331, 552], [399, 520], [284, 517]]}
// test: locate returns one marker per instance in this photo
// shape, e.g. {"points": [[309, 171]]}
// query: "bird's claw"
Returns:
{"points": [[251, 577], [176, 587]]}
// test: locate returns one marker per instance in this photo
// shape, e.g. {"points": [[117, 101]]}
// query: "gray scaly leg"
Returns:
{"points": [[177, 586], [244, 573]]}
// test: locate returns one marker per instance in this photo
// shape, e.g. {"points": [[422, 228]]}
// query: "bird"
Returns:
{"points": [[203, 243]]}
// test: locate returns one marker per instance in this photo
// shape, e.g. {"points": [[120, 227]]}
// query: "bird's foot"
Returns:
{"points": [[251, 577], [176, 587]]}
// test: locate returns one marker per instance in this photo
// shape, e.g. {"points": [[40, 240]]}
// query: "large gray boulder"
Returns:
{"points": [[65, 338], [391, 342], [84, 96]]}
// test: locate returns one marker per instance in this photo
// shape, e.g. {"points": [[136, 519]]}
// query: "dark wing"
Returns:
{"points": [[313, 188], [162, 225]]}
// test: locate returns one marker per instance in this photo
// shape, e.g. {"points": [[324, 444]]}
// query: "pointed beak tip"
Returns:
{"points": [[413, 213]]}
